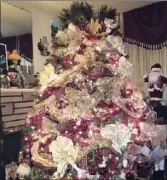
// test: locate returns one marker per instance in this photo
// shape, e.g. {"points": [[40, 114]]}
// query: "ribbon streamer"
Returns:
{"points": [[119, 102]]}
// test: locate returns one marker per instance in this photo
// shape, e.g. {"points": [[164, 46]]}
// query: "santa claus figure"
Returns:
{"points": [[156, 81], [156, 84]]}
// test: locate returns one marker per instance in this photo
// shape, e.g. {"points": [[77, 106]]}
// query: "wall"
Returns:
{"points": [[41, 23]]}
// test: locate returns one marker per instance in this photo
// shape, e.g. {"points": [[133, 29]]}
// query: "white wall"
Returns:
{"points": [[41, 23]]}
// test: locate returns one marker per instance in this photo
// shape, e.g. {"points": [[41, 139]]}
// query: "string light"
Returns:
{"points": [[43, 141], [32, 127], [39, 130], [26, 138], [135, 131], [27, 150]]}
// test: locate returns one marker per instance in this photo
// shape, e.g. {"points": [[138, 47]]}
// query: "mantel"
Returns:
{"points": [[16, 90]]}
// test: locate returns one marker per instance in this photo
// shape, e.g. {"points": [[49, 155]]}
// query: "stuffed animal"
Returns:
{"points": [[156, 81]]}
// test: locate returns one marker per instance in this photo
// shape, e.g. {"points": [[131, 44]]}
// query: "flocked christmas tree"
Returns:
{"points": [[90, 121]]}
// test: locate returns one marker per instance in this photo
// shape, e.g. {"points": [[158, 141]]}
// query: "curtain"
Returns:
{"points": [[10, 42], [22, 43], [25, 45], [147, 26], [143, 59]]}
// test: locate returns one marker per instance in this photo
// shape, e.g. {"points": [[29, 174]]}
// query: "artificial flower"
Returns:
{"points": [[12, 75], [14, 56], [125, 68], [94, 26], [116, 43], [72, 27], [49, 127], [110, 24], [119, 134], [151, 132], [64, 153], [83, 60], [61, 37], [122, 176], [47, 75]]}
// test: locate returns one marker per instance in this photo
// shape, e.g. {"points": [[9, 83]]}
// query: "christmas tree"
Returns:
{"points": [[90, 120]]}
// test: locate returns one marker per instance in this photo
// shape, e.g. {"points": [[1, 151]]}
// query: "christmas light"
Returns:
{"points": [[39, 130], [27, 150], [135, 131], [43, 141], [117, 159], [32, 127]]}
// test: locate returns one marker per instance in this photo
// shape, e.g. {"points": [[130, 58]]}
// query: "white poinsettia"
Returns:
{"points": [[116, 43], [72, 27], [64, 153], [125, 68], [47, 75], [119, 134], [110, 24], [61, 37]]}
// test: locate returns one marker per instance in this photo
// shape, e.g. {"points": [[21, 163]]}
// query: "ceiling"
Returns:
{"points": [[14, 21], [54, 7], [18, 21]]}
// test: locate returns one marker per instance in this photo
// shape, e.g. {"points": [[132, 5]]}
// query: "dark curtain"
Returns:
{"points": [[24, 42], [147, 26], [12, 141], [10, 42], [26, 45]]}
